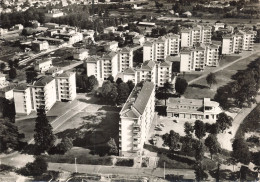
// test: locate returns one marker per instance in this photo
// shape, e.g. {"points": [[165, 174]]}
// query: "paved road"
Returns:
{"points": [[99, 169]]}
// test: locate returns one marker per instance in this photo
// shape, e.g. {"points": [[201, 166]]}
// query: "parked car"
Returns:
{"points": [[162, 125], [175, 121]]}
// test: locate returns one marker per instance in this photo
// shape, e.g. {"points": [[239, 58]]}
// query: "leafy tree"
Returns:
{"points": [[30, 76], [65, 145], [200, 173], [8, 109], [213, 145], [111, 78], [123, 93], [168, 88], [44, 138], [35, 168], [12, 73], [171, 139], [181, 85], [224, 121], [211, 79], [212, 128], [138, 56], [119, 80], [9, 135], [199, 151], [112, 147], [2, 66], [92, 83], [131, 85], [200, 130], [188, 129], [109, 92], [241, 151]]}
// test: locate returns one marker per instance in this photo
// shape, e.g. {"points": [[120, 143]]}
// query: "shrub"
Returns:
{"points": [[35, 168], [125, 162]]}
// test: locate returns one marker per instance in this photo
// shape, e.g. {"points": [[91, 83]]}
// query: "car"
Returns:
{"points": [[175, 121], [162, 125], [156, 134]]}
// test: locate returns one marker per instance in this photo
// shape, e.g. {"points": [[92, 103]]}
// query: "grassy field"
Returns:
{"points": [[26, 126], [83, 157], [200, 88]]}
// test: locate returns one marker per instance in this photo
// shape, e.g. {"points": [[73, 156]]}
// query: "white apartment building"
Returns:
{"points": [[55, 13], [152, 71], [111, 46], [43, 93], [42, 65], [240, 41], [139, 39], [197, 58], [159, 49], [136, 117], [125, 58], [102, 67], [22, 99], [40, 45], [199, 34], [66, 86]]}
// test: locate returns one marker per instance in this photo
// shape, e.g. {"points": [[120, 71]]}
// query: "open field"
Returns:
{"points": [[200, 89]]}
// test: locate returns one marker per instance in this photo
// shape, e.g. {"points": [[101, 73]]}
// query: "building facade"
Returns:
{"points": [[136, 117], [193, 109], [125, 58], [66, 86], [22, 99], [42, 65]]}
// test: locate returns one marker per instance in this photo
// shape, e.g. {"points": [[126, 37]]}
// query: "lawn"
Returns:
{"points": [[83, 157], [200, 88], [26, 126], [228, 59]]}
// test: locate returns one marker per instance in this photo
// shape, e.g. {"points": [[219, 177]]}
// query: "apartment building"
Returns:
{"points": [[238, 42], [195, 59], [102, 67], [66, 86], [192, 59], [159, 49], [193, 109], [43, 93], [22, 99], [42, 65], [195, 35], [40, 45], [125, 58], [136, 117]]}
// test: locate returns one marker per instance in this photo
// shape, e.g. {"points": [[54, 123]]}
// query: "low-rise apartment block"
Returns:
{"points": [[195, 35], [136, 117], [40, 45], [193, 109], [238, 42], [42, 65]]}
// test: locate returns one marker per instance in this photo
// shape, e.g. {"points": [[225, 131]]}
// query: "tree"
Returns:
{"points": [[2, 66], [213, 145], [30, 76], [199, 151], [171, 139], [92, 83], [12, 73], [109, 92], [200, 130], [181, 85], [8, 110], [110, 78], [118, 81], [241, 151], [123, 93], [200, 173], [44, 138], [35, 168], [131, 85], [167, 87], [9, 135], [211, 79], [112, 147], [65, 145], [188, 129], [224, 121]]}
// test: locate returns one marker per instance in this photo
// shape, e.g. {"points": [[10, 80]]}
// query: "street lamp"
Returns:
{"points": [[76, 169]]}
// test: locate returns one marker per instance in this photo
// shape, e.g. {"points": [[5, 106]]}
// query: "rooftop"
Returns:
{"points": [[21, 87], [43, 81], [137, 101], [65, 74]]}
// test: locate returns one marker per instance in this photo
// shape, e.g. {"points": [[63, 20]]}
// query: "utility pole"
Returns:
{"points": [[164, 170], [76, 170]]}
